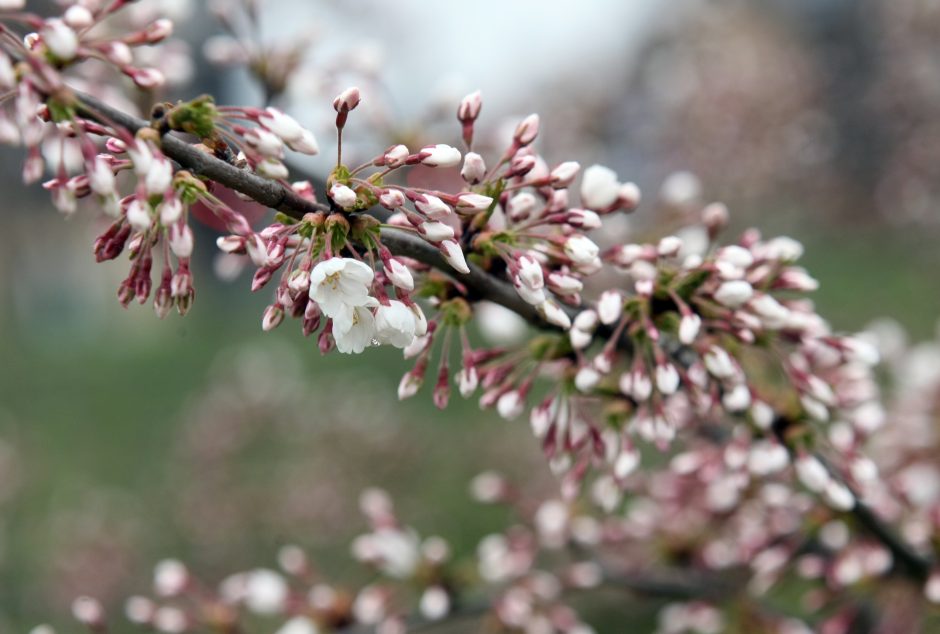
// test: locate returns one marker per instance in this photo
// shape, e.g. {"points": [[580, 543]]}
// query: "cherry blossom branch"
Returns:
{"points": [[479, 283]]}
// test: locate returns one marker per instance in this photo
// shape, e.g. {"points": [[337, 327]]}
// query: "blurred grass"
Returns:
{"points": [[90, 413]]}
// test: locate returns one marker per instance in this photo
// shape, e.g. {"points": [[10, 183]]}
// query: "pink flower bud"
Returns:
{"points": [[343, 196], [265, 142], [392, 199], [564, 284], [628, 196], [715, 218], [436, 231], [146, 78], [432, 207], [734, 293], [467, 381], [689, 327], [273, 316], [138, 215], [583, 219], [60, 39], [158, 31], [306, 144], [272, 168], [78, 17], [510, 405], [439, 155], [409, 385], [564, 174], [610, 307], [395, 156], [159, 176], [118, 53], [454, 256], [521, 206], [398, 274], [347, 100], [581, 249], [520, 165], [554, 314], [281, 124], [600, 188], [667, 379], [474, 168], [181, 240], [441, 395], [469, 108], [304, 189], [526, 131], [100, 176], [473, 203]]}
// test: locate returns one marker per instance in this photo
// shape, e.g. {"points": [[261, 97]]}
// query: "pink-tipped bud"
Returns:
{"points": [[715, 217], [689, 327], [474, 168], [432, 207], [467, 381], [395, 156], [441, 394], [138, 215], [436, 231], [78, 17], [454, 256], [273, 316], [60, 39], [564, 174], [343, 196], [583, 219], [392, 199], [181, 240], [526, 131], [469, 108], [439, 155], [520, 165], [628, 196], [398, 274], [610, 307], [283, 125], [158, 31], [521, 206], [473, 203], [146, 78], [347, 100]]}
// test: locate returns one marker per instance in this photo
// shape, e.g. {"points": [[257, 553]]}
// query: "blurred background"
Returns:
{"points": [[125, 439]]}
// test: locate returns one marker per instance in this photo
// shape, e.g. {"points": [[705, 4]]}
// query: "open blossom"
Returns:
{"points": [[339, 283], [395, 324], [354, 327]]}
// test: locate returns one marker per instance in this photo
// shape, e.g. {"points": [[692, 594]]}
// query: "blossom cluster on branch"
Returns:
{"points": [[685, 379]]}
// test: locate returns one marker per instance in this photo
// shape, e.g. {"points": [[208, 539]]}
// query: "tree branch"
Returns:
{"points": [[478, 282]]}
